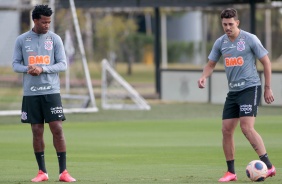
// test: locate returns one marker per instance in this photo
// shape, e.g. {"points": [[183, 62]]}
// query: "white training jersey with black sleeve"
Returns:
{"points": [[45, 50], [239, 59]]}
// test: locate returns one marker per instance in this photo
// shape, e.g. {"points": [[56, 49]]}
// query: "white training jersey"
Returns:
{"points": [[239, 59]]}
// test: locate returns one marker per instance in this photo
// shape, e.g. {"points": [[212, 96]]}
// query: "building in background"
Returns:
{"points": [[10, 29], [187, 28]]}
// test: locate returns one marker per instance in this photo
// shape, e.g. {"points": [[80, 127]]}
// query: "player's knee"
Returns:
{"points": [[226, 131]]}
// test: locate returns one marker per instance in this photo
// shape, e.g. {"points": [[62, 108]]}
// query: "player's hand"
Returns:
{"points": [[268, 95], [202, 82], [34, 70]]}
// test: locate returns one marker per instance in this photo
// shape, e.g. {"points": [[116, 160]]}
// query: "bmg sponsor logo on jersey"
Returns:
{"points": [[39, 60], [246, 108], [56, 110], [234, 61]]}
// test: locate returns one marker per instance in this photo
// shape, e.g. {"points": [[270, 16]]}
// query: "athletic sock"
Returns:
{"points": [[62, 161], [265, 159], [40, 161], [230, 166]]}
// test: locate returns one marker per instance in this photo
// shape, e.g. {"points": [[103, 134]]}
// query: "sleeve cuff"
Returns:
{"points": [[43, 69]]}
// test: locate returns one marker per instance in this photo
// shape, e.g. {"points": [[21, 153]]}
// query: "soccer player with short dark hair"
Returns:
{"points": [[39, 54], [240, 50]]}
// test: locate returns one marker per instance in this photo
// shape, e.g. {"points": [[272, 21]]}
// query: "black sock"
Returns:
{"points": [[265, 159], [62, 161], [230, 165], [40, 161]]}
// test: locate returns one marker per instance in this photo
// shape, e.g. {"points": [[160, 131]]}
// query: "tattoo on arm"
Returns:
{"points": [[254, 146]]}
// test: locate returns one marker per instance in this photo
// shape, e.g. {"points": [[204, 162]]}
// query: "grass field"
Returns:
{"points": [[172, 143]]}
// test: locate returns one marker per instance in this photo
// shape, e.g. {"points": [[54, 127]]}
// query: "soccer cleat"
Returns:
{"points": [[228, 176], [41, 176], [66, 177], [271, 172]]}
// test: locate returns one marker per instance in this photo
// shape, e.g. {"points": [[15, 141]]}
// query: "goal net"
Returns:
{"points": [[117, 93], [76, 84]]}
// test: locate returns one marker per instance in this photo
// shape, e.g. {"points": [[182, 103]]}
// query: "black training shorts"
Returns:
{"points": [[242, 103], [42, 108]]}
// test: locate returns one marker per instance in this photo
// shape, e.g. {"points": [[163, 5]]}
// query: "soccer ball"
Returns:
{"points": [[256, 170]]}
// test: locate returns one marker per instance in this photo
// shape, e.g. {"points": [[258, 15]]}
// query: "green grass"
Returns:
{"points": [[172, 143]]}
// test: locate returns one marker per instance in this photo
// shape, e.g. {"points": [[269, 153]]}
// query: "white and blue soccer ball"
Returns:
{"points": [[256, 170]]}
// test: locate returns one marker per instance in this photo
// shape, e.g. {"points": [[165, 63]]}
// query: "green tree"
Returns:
{"points": [[111, 32]]}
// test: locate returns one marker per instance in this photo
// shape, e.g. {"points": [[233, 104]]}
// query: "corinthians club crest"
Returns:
{"points": [[240, 45], [48, 45]]}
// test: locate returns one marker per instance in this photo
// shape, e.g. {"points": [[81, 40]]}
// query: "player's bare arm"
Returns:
{"points": [[208, 69], [268, 94]]}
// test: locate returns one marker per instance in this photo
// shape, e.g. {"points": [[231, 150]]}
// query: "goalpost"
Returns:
{"points": [[89, 104], [117, 93], [77, 95]]}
